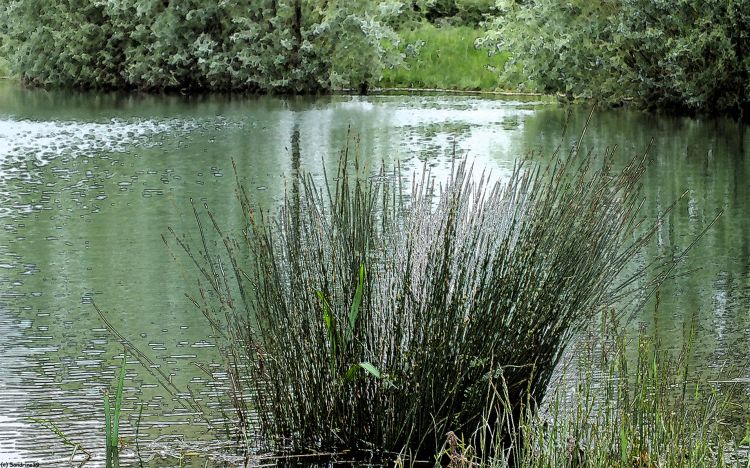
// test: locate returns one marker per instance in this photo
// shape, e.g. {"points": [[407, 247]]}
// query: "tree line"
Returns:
{"points": [[689, 56], [281, 46]]}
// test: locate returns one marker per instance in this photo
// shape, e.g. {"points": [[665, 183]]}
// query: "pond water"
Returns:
{"points": [[90, 183]]}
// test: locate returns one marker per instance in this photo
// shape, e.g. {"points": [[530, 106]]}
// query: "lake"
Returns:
{"points": [[89, 183]]}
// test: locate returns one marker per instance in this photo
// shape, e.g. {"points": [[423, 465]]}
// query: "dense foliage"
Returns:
{"points": [[461, 12], [686, 55], [257, 45]]}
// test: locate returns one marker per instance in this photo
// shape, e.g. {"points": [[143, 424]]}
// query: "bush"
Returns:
{"points": [[473, 12], [457, 12], [376, 318], [251, 45], [687, 56], [435, 10]]}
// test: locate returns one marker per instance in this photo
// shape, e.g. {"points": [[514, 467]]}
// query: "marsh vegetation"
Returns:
{"points": [[65, 213], [375, 313]]}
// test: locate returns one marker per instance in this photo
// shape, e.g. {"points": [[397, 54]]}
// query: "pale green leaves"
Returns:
{"points": [[241, 45], [691, 58]]}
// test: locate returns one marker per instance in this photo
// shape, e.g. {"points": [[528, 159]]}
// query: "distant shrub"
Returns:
{"points": [[473, 12], [457, 12], [254, 45], [686, 56]]}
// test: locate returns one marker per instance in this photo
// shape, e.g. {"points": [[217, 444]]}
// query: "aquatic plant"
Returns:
{"points": [[368, 316], [76, 446], [112, 413], [618, 403]]}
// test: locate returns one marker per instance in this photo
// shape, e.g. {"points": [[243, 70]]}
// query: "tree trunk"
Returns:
{"points": [[297, 33]]}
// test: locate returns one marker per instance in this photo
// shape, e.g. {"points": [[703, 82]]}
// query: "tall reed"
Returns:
{"points": [[368, 316]]}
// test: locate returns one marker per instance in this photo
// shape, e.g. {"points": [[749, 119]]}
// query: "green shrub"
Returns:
{"points": [[4, 70], [434, 10], [473, 12], [252, 45], [371, 317], [456, 12], [688, 56]]}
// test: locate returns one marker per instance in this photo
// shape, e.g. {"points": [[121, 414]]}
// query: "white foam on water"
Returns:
{"points": [[42, 141]]}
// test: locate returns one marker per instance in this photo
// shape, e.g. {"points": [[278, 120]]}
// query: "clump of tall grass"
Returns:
{"points": [[369, 316]]}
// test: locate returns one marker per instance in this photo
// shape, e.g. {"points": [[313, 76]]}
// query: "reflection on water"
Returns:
{"points": [[88, 184]]}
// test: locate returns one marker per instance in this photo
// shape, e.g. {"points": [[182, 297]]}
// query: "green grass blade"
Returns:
{"points": [[746, 440], [118, 404], [356, 303], [107, 419], [623, 446], [351, 374]]}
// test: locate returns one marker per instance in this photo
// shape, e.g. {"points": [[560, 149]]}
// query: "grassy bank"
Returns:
{"points": [[444, 58]]}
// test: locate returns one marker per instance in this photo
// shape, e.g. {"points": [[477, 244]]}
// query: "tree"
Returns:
{"points": [[288, 46], [682, 55], [361, 43]]}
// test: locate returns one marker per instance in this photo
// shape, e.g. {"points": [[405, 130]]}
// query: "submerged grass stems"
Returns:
{"points": [[76, 447], [112, 413], [460, 289]]}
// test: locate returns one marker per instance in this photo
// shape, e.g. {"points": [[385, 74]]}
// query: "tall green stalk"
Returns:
{"points": [[112, 414]]}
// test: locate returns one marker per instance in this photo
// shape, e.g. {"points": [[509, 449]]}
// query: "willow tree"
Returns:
{"points": [[289, 46], [686, 55]]}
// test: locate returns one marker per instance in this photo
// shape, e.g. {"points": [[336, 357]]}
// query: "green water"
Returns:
{"points": [[90, 183]]}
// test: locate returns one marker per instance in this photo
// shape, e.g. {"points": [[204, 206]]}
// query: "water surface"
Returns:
{"points": [[90, 183]]}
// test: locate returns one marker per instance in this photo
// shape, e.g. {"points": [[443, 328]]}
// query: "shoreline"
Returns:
{"points": [[388, 90], [375, 91]]}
